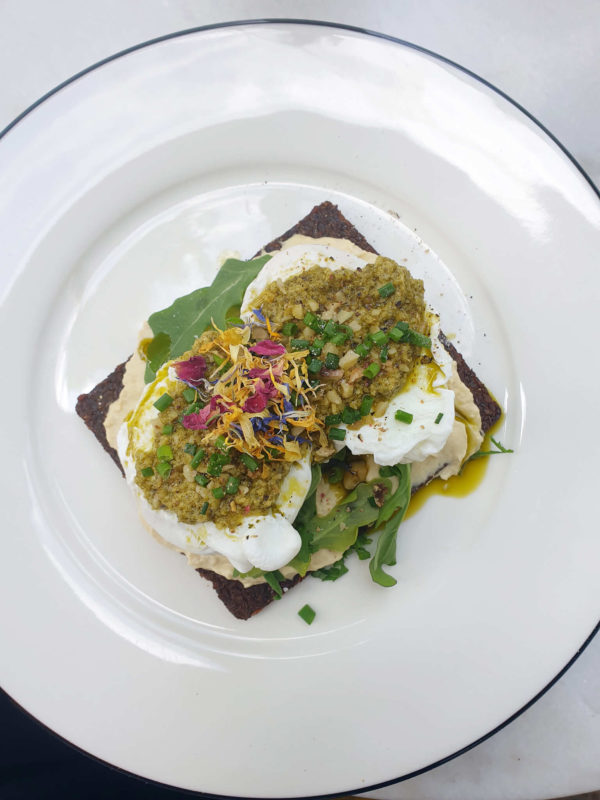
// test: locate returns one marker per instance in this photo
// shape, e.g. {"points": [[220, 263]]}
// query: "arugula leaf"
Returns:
{"points": [[339, 568], [339, 529], [333, 571], [273, 579], [304, 523], [188, 316], [157, 353], [482, 453], [390, 516]]}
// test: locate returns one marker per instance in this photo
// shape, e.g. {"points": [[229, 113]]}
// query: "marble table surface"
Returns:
{"points": [[543, 53]]}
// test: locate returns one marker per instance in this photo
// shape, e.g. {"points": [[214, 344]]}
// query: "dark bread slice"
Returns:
{"points": [[242, 602], [488, 408], [324, 220], [93, 408]]}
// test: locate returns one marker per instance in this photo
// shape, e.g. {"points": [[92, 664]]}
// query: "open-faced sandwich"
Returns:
{"points": [[268, 442]]}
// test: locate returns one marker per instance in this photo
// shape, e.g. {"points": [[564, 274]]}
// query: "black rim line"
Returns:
{"points": [[496, 90]]}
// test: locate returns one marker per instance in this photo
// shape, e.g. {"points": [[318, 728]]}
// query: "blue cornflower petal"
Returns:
{"points": [[259, 315]]}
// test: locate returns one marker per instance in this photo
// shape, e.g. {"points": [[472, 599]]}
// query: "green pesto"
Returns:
{"points": [[357, 292], [181, 493]]}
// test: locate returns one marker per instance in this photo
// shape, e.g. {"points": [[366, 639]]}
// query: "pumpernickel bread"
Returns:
{"points": [[325, 220]]}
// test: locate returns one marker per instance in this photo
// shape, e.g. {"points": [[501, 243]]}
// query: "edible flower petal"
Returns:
{"points": [[191, 371], [202, 418], [267, 348], [255, 404]]}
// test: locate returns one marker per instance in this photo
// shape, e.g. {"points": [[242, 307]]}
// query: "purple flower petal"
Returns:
{"points": [[259, 315], [256, 403], [267, 348], [191, 371], [202, 419]]}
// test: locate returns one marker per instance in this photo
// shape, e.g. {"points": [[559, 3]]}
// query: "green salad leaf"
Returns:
{"points": [[157, 353], [499, 449], [390, 516], [304, 523], [340, 529], [339, 568], [176, 327]]}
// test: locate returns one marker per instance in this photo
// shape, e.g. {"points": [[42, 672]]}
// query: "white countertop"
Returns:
{"points": [[545, 55]]}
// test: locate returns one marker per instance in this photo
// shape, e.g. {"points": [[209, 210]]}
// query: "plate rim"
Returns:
{"points": [[418, 48]]}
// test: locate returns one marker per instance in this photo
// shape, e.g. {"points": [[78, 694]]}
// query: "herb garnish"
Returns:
{"points": [[482, 453], [307, 614]]}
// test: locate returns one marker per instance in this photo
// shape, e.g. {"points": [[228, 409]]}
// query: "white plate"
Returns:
{"points": [[119, 192]]}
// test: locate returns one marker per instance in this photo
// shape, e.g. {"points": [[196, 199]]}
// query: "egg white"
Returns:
{"points": [[425, 394], [265, 541]]}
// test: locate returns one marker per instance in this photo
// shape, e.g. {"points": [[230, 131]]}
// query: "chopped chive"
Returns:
{"points": [[191, 409], [396, 335], [220, 442], [163, 402], [203, 480], [402, 326], [366, 404], [383, 354], [167, 430], [289, 329], [249, 462], [403, 416], [218, 492], [363, 349], [216, 463], [330, 328], [312, 321], [189, 394], [386, 290], [147, 472], [350, 415], [379, 338], [190, 449], [233, 484], [308, 614], [314, 365], [198, 456], [418, 339], [339, 338], [372, 370], [438, 419], [231, 321], [332, 361], [218, 359], [317, 346], [333, 419], [339, 434], [335, 475], [164, 453], [163, 468], [300, 344], [204, 508]]}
